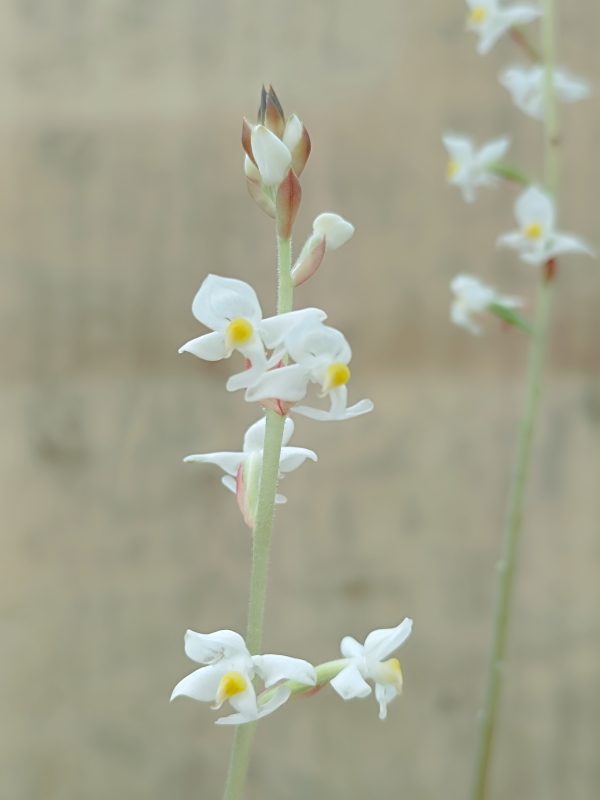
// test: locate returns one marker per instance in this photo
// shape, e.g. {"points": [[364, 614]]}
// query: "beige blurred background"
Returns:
{"points": [[122, 188]]}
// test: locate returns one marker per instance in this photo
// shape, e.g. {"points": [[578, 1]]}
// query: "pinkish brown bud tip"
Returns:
{"points": [[246, 139], [289, 196]]}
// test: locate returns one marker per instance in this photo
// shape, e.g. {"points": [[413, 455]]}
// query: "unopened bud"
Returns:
{"points": [[309, 260], [246, 139], [271, 156], [297, 141], [260, 196], [274, 116], [289, 196], [336, 230]]}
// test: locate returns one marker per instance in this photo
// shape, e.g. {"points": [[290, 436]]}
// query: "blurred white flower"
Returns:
{"points": [[322, 355], [471, 296], [243, 469], [526, 86], [370, 661], [536, 239], [469, 167], [230, 672], [489, 20]]}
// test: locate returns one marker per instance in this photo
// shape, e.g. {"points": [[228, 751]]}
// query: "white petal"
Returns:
{"points": [[460, 316], [535, 206], [382, 643], [244, 379], [284, 383], [275, 668], [245, 702], [492, 152], [336, 230], [565, 243], [320, 415], [384, 694], [229, 483], [219, 300], [314, 344], [207, 648], [280, 499], [210, 347], [349, 683], [272, 157], [202, 684], [288, 431], [254, 438], [294, 457], [514, 239], [274, 329], [293, 132], [460, 148], [570, 88], [229, 462], [279, 698], [351, 648]]}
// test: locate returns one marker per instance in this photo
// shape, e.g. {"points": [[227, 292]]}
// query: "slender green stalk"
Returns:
{"points": [[261, 540], [514, 517]]}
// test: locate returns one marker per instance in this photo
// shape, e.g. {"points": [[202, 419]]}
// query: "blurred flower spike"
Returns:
{"points": [[229, 673], [243, 469], [526, 87]]}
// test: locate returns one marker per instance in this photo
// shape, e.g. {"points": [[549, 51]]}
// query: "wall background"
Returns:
{"points": [[121, 189]]}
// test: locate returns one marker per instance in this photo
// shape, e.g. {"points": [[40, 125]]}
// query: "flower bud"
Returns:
{"points": [[336, 230], [274, 117], [309, 260], [289, 196], [297, 141], [271, 156], [246, 139], [260, 197]]}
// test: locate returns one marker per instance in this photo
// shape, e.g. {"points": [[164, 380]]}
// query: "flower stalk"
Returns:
{"points": [[261, 540], [507, 566]]}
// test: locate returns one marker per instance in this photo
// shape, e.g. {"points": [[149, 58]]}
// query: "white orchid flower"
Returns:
{"points": [[526, 86], [243, 469], [371, 661], [469, 167], [471, 296], [231, 308], [229, 674], [330, 231], [322, 355], [489, 20], [536, 240]]}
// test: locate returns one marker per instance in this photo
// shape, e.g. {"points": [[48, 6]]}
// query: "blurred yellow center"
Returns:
{"points": [[533, 231], [452, 168], [239, 332], [477, 16], [393, 672], [231, 683], [337, 375]]}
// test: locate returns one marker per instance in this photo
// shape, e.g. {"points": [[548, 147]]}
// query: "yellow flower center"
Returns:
{"points": [[239, 332], [231, 683], [533, 231], [337, 375], [389, 672], [477, 16], [452, 168]]}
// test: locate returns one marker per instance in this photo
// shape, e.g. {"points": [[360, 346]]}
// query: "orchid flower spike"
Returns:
{"points": [[469, 168], [471, 296], [489, 20], [526, 86], [370, 661], [322, 355], [231, 308], [229, 674], [536, 239], [243, 469]]}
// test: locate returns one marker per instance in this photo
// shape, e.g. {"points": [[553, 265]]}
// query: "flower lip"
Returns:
{"points": [[230, 685], [239, 332], [336, 374]]}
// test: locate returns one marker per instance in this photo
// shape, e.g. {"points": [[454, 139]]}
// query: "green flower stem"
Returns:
{"points": [[509, 173], [261, 540], [514, 518]]}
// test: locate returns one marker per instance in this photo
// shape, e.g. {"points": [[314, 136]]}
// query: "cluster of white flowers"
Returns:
{"points": [[229, 672], [284, 355], [536, 239]]}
